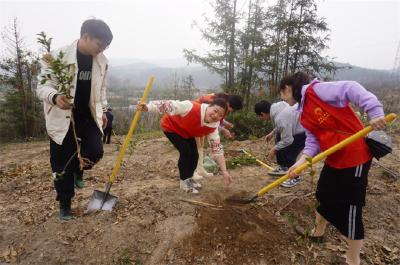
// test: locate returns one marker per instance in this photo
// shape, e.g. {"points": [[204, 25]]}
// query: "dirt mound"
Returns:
{"points": [[232, 234]]}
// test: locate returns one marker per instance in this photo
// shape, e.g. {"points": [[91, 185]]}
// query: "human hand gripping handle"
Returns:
{"points": [[291, 171], [142, 107], [378, 123]]}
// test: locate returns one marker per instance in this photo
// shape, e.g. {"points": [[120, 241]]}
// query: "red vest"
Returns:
{"points": [[188, 126], [331, 125]]}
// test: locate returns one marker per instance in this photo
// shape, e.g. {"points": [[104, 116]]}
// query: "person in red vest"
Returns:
{"points": [[234, 102], [181, 123], [328, 118]]}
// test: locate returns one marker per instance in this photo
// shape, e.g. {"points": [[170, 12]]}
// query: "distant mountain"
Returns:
{"points": [[368, 77], [136, 72]]}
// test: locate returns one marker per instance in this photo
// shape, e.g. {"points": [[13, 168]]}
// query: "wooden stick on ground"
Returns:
{"points": [[218, 207], [295, 198]]}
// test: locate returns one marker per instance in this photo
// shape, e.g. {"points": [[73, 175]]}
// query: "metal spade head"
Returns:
{"points": [[101, 201], [241, 199]]}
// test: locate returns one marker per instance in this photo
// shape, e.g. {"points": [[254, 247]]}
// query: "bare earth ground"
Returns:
{"points": [[153, 224]]}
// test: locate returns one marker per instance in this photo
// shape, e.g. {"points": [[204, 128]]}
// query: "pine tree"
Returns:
{"points": [[221, 33], [20, 111]]}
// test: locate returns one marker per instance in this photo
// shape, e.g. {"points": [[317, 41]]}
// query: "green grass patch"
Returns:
{"points": [[242, 160]]}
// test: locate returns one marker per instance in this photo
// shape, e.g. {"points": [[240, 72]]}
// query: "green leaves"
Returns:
{"points": [[59, 73], [44, 41], [242, 160]]}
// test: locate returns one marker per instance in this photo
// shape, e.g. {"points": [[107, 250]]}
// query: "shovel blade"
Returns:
{"points": [[97, 199], [238, 199]]}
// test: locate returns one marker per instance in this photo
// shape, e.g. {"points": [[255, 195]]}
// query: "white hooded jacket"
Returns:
{"points": [[57, 120]]}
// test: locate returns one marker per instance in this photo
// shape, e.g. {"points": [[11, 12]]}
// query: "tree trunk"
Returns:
{"points": [[288, 38], [231, 78], [297, 48], [19, 77]]}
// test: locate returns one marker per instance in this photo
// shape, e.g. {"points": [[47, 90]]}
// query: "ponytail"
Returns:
{"points": [[296, 81]]}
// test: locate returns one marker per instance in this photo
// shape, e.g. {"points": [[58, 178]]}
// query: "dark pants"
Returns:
{"points": [[341, 196], [63, 158], [188, 155], [286, 157], [107, 135]]}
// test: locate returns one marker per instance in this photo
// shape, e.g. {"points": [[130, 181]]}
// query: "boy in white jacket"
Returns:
{"points": [[86, 103]]}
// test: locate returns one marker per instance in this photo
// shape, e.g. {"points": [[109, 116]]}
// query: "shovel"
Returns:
{"points": [[104, 200], [390, 117], [257, 160]]}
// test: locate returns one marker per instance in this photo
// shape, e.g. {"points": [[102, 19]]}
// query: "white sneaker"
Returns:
{"points": [[196, 176], [195, 183], [187, 186]]}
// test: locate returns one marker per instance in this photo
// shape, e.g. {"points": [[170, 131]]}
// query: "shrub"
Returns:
{"points": [[248, 125]]}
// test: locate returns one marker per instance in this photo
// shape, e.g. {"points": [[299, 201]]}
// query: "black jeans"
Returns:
{"points": [[188, 155], [286, 157], [63, 158], [107, 135]]}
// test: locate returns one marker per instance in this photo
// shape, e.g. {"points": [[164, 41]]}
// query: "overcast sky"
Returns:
{"points": [[363, 33]]}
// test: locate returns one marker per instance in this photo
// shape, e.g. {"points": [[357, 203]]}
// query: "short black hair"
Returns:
{"points": [[235, 102], [262, 106], [97, 28]]}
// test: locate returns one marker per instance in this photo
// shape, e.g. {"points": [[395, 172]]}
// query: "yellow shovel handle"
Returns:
{"points": [[390, 117], [258, 160], [131, 131]]}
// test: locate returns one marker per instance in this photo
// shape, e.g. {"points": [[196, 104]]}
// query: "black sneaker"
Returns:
{"points": [[291, 182], [278, 171]]}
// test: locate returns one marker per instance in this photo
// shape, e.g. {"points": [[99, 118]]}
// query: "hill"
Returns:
{"points": [[137, 73]]}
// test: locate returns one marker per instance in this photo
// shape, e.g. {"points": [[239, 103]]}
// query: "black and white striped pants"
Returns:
{"points": [[341, 197]]}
